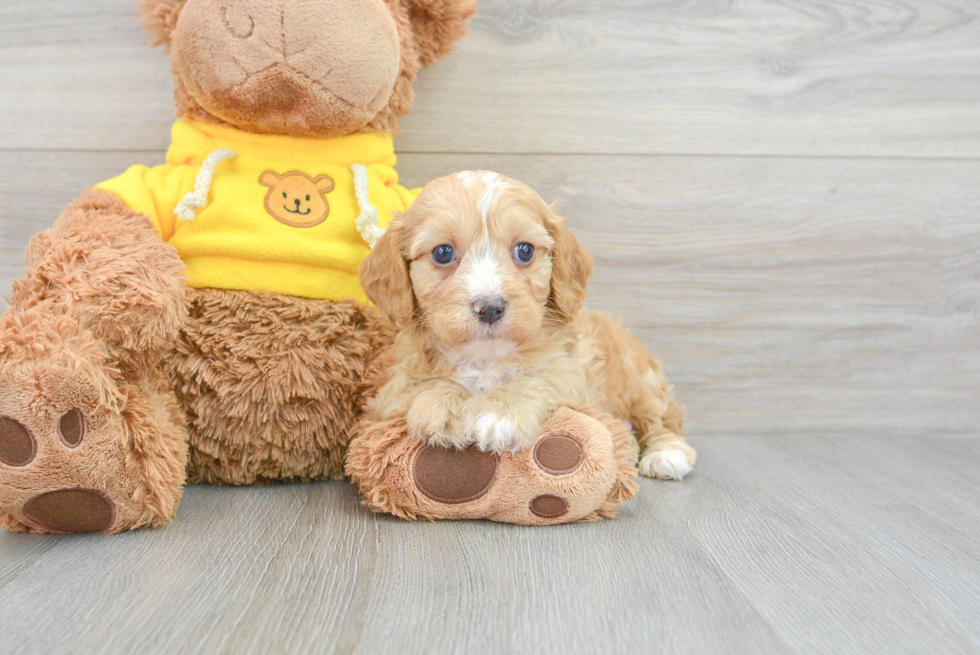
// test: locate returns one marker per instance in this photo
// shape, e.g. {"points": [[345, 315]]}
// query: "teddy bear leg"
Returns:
{"points": [[580, 469], [90, 436], [82, 449]]}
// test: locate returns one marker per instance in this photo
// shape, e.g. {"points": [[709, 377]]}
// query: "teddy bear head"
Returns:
{"points": [[318, 68]]}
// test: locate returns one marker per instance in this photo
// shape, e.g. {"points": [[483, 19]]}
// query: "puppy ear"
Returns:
{"points": [[384, 278], [571, 268], [437, 25], [160, 18]]}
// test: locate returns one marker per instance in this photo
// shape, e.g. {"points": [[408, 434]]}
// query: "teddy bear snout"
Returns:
{"points": [[235, 57]]}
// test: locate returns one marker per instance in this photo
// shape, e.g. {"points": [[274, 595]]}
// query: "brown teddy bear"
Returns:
{"points": [[202, 321], [233, 349]]}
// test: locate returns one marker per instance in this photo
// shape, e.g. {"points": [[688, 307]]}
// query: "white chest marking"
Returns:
{"points": [[482, 367]]}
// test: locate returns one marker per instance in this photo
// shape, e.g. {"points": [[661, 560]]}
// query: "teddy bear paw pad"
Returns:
{"points": [[71, 428], [578, 470], [547, 506], [72, 510], [451, 476], [558, 454], [17, 445]]}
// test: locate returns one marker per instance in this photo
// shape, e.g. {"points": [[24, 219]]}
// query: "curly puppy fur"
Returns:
{"points": [[464, 377]]}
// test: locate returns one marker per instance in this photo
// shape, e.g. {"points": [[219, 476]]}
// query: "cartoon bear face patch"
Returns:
{"points": [[297, 199]]}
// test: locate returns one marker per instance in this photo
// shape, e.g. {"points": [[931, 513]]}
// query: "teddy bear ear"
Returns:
{"points": [[160, 18], [438, 24]]}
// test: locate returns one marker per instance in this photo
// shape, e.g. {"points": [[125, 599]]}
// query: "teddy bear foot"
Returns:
{"points": [[580, 469], [81, 450], [40, 492]]}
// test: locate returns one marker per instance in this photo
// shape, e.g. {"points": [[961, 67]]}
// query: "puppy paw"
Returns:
{"points": [[493, 433], [670, 463], [500, 426], [437, 423]]}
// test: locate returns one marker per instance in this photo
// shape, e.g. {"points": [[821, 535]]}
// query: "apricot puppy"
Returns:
{"points": [[485, 285]]}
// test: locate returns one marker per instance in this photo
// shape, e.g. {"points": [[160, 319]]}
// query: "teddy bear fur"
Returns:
{"points": [[179, 384]]}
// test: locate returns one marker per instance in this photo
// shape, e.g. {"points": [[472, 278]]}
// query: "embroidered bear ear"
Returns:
{"points": [[323, 183], [271, 179], [160, 18]]}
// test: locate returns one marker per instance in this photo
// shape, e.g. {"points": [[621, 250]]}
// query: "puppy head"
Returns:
{"points": [[477, 257]]}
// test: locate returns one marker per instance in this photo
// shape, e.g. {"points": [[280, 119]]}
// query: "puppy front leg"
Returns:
{"points": [[501, 421], [510, 416], [434, 414]]}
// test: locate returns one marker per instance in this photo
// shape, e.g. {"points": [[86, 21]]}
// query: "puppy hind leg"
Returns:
{"points": [[658, 421]]}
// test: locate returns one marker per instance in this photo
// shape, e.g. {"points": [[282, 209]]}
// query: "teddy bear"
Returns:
{"points": [[201, 321]]}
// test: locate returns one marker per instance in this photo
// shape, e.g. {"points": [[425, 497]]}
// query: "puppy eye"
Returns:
{"points": [[524, 253], [443, 255]]}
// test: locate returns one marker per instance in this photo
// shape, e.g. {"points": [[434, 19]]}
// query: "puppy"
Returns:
{"points": [[485, 285]]}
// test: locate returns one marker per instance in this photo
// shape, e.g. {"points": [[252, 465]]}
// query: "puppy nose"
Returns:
{"points": [[490, 310]]}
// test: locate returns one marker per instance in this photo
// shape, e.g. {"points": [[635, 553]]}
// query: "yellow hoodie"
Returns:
{"points": [[265, 212]]}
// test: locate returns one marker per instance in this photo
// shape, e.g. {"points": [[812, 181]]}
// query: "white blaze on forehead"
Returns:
{"points": [[493, 183], [482, 274], [467, 177]]}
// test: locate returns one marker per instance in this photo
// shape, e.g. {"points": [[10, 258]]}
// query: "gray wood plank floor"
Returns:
{"points": [[782, 197], [779, 545]]}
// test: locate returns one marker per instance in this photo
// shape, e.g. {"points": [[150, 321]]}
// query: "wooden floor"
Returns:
{"points": [[783, 197]]}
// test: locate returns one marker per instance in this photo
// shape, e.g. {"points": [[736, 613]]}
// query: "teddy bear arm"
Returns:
{"points": [[103, 264]]}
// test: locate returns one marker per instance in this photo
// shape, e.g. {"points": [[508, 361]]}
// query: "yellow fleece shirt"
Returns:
{"points": [[279, 213]]}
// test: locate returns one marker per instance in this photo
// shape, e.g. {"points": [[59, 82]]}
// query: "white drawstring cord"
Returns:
{"points": [[196, 199], [367, 223]]}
